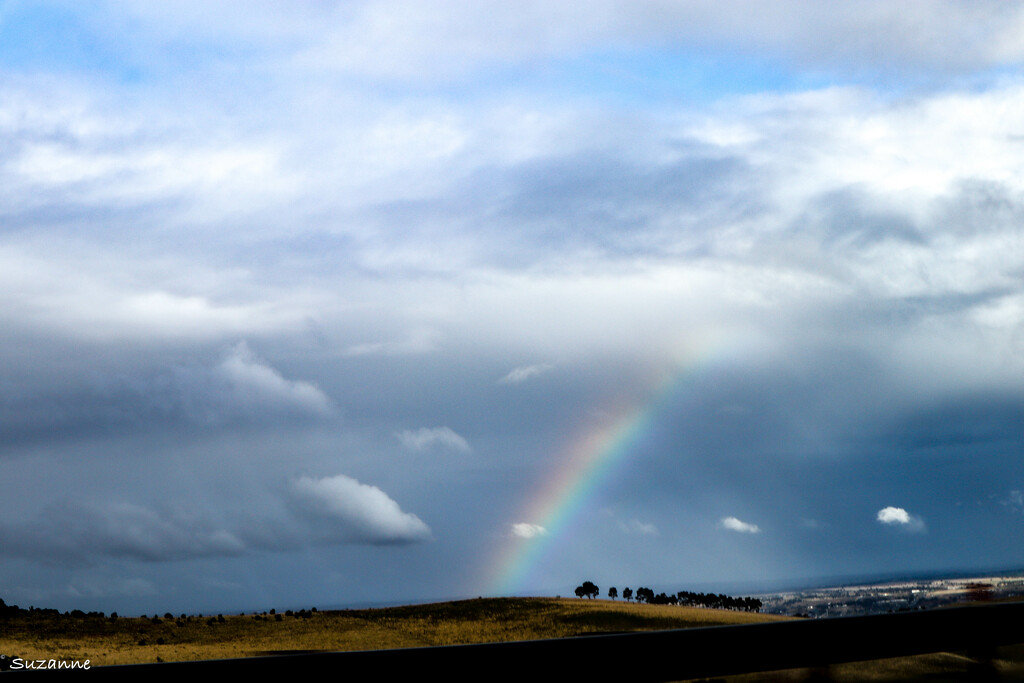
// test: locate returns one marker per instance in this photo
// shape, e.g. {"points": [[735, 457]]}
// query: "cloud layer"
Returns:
{"points": [[764, 260]]}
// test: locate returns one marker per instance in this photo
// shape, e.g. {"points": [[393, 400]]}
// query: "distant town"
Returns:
{"points": [[892, 596]]}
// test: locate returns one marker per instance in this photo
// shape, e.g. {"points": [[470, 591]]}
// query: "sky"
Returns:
{"points": [[334, 303]]}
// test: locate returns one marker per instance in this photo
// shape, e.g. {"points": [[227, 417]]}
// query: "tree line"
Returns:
{"points": [[686, 598]]}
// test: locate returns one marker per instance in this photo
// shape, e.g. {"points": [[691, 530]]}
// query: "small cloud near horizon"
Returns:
{"points": [[527, 530], [1015, 501], [734, 524], [426, 437], [898, 517], [525, 372], [419, 341], [638, 528]]}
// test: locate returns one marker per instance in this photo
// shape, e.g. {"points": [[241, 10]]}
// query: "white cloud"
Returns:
{"points": [[87, 295], [734, 524], [1014, 501], [135, 176], [527, 530], [525, 372], [344, 510], [254, 385], [635, 526], [894, 516], [420, 340], [891, 515], [424, 438]]}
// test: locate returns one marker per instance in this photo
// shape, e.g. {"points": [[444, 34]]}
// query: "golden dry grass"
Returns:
{"points": [[135, 640]]}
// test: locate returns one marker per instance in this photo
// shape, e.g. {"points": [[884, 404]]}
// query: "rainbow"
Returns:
{"points": [[585, 466]]}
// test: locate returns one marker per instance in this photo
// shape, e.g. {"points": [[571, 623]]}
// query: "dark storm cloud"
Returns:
{"points": [[834, 440], [69, 533], [598, 201], [979, 206], [938, 305], [852, 219], [594, 204], [594, 186], [971, 423], [323, 511], [239, 388]]}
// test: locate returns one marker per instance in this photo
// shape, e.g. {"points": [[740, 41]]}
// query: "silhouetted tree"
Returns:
{"points": [[613, 592], [627, 593]]}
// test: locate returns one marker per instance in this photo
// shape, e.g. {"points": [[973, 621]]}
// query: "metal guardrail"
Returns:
{"points": [[657, 655]]}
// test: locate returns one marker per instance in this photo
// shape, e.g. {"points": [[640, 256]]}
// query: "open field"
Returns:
{"points": [[106, 641], [137, 640]]}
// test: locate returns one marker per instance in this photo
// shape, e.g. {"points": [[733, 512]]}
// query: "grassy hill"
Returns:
{"points": [[105, 641], [136, 640]]}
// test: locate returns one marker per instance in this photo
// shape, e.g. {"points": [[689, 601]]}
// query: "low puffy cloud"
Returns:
{"points": [[898, 517], [734, 524], [525, 372], [341, 509], [527, 530], [426, 438], [892, 515]]}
